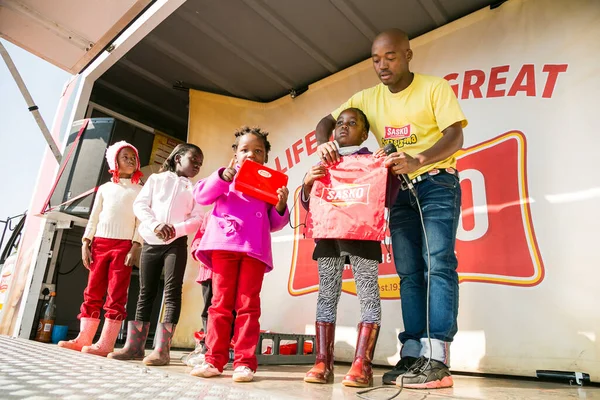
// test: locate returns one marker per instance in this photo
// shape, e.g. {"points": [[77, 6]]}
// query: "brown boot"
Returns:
{"points": [[161, 355], [322, 371], [361, 374], [137, 333]]}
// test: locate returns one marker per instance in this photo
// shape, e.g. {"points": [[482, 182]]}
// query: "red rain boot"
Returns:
{"points": [[322, 371], [361, 374]]}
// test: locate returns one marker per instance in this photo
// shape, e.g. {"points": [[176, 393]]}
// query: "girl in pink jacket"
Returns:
{"points": [[237, 247]]}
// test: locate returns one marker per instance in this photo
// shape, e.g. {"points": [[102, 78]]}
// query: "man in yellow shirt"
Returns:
{"points": [[421, 116]]}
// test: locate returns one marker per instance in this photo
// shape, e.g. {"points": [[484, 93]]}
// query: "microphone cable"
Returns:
{"points": [[361, 394], [296, 199]]}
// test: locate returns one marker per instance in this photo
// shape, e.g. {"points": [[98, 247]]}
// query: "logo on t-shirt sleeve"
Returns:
{"points": [[392, 132]]}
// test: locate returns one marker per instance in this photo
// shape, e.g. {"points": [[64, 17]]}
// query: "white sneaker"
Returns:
{"points": [[205, 370], [243, 374], [196, 357], [194, 360]]}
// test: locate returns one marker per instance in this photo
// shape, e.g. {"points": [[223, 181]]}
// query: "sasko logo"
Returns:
{"points": [[264, 173], [396, 133], [496, 242], [343, 195]]}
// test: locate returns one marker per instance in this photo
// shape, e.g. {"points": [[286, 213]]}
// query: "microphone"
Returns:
{"points": [[390, 148]]}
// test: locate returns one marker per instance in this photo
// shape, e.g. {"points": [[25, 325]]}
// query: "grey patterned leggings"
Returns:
{"points": [[330, 288]]}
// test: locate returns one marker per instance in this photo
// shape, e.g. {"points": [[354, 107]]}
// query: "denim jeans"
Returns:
{"points": [[439, 196]]}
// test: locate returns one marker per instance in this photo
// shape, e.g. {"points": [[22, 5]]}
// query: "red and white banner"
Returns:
{"points": [[526, 242]]}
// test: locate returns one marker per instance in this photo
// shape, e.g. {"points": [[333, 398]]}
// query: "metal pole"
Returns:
{"points": [[3, 232], [29, 100], [7, 226]]}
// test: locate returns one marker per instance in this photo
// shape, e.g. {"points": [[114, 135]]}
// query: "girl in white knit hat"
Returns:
{"points": [[109, 243]]}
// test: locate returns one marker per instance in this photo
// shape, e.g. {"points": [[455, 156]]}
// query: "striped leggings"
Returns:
{"points": [[365, 272]]}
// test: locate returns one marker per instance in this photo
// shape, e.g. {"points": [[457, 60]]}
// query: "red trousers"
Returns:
{"points": [[108, 276], [237, 281]]}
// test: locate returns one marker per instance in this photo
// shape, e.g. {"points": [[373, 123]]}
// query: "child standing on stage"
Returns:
{"points": [[109, 243], [168, 213], [351, 130], [237, 247], [204, 278]]}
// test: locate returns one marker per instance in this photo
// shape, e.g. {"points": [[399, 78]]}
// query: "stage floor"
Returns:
{"points": [[31, 370]]}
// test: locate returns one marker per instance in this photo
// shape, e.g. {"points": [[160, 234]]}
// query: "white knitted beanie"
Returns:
{"points": [[111, 158]]}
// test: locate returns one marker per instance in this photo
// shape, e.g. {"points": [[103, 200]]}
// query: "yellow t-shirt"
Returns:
{"points": [[412, 119]]}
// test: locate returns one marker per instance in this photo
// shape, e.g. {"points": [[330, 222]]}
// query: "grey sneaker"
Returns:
{"points": [[401, 367], [425, 374]]}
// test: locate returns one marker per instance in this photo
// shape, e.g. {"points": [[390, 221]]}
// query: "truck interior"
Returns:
{"points": [[258, 50]]}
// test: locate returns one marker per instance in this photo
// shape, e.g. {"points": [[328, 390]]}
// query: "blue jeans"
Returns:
{"points": [[439, 196]]}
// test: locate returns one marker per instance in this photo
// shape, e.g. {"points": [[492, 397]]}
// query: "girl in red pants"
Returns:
{"points": [[237, 247], [204, 278], [109, 243]]}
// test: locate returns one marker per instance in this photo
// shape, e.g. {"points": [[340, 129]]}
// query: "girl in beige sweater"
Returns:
{"points": [[109, 243]]}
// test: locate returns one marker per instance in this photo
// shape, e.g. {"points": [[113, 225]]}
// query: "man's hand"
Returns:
{"points": [[282, 194], [229, 173], [86, 254], [323, 133], [328, 153], [402, 163], [130, 258], [165, 232]]}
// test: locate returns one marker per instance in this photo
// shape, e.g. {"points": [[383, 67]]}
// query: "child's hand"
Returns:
{"points": [[165, 232], [86, 254], [315, 172], [130, 258], [379, 153], [282, 194], [328, 153], [229, 173]]}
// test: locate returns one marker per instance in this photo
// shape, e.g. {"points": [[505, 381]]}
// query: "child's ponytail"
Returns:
{"points": [[179, 150]]}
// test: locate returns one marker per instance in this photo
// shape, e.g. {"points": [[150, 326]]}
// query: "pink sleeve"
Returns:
{"points": [[278, 222], [209, 189]]}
